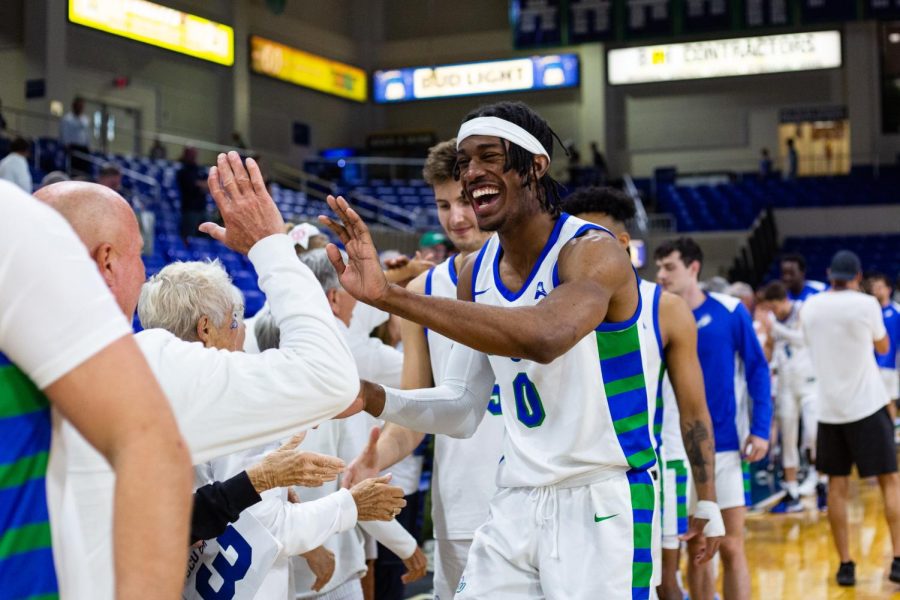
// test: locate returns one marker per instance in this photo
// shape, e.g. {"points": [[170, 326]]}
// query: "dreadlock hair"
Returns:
{"points": [[519, 159]]}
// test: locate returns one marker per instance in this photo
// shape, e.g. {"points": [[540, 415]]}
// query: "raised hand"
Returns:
{"points": [[321, 563], [364, 466], [285, 467], [376, 500], [246, 206], [362, 276]]}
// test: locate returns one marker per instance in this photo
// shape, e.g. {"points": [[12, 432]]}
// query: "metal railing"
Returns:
{"points": [[152, 183]]}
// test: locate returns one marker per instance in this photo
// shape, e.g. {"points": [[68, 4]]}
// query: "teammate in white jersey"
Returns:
{"points": [[464, 469], [795, 393], [550, 312], [679, 420]]}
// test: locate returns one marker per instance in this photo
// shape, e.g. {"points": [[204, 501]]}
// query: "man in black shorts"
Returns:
{"points": [[842, 327]]}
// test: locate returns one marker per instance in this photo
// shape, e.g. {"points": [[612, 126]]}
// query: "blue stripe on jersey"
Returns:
{"points": [[642, 515], [628, 404], [452, 268], [28, 574], [27, 505], [428, 292], [4, 361], [636, 445], [657, 294], [548, 245], [477, 268], [24, 435], [627, 365]]}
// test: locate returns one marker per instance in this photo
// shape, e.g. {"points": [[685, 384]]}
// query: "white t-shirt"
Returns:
{"points": [[14, 168], [226, 402], [840, 328], [55, 313]]}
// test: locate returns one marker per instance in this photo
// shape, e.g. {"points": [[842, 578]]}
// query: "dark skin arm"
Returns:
{"points": [[597, 282], [679, 333]]}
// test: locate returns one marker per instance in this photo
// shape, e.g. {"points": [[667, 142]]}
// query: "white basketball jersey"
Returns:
{"points": [[586, 411], [465, 470]]}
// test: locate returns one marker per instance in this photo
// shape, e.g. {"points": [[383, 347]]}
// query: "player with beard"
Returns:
{"points": [[549, 309]]}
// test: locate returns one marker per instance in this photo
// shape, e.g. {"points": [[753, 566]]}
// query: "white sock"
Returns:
{"points": [[791, 487]]}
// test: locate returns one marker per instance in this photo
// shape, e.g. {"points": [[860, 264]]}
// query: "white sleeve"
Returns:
{"points": [[454, 408], [304, 526], [876, 319], [788, 334], [392, 536], [55, 309], [376, 361], [226, 402]]}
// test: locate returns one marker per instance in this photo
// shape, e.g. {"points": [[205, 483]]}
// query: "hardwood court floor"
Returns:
{"points": [[792, 556]]}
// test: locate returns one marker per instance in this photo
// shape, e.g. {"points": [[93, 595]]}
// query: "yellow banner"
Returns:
{"points": [[157, 25], [307, 70]]}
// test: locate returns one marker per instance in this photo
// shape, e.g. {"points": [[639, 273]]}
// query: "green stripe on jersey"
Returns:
{"points": [[630, 423], [18, 395], [642, 496], [611, 344], [23, 470], [620, 386], [24, 539]]}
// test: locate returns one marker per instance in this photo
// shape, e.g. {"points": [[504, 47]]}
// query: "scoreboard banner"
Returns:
{"points": [[725, 58], [307, 70], [157, 25], [467, 79]]}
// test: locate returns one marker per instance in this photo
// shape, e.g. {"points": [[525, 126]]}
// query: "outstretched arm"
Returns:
{"points": [[593, 271]]}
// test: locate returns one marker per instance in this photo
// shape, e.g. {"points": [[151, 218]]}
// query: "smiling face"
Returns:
{"points": [[457, 216], [497, 196]]}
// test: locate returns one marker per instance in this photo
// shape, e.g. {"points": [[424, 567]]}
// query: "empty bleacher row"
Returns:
{"points": [[734, 206]]}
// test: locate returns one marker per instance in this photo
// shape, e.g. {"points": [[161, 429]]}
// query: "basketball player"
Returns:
{"points": [[550, 299], [725, 333], [464, 469], [793, 276], [880, 287], [681, 419]]}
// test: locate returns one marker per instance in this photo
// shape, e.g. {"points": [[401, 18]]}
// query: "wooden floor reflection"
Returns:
{"points": [[792, 556]]}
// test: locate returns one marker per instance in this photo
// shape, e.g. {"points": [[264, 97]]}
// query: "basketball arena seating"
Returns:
{"points": [[876, 252], [734, 206]]}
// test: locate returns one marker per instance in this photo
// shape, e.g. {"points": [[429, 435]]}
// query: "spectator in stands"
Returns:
{"points": [[54, 177], [842, 327], [793, 276], [434, 246], [574, 162], [14, 167], [193, 188], [244, 400], [765, 164], [792, 159], [157, 150], [111, 176], [74, 135]]}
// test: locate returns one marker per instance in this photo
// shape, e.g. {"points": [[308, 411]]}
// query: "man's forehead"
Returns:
{"points": [[475, 143]]}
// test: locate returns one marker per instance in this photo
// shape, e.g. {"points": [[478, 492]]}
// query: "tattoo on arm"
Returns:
{"points": [[697, 444]]}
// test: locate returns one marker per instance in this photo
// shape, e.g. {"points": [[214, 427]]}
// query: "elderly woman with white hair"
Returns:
{"points": [[196, 301]]}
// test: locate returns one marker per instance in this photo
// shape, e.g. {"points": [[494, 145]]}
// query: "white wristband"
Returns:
{"points": [[706, 509]]}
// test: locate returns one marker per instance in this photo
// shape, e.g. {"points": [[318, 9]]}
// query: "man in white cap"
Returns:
{"points": [[550, 311]]}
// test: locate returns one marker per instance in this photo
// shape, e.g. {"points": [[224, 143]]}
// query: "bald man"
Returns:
{"points": [[224, 402]]}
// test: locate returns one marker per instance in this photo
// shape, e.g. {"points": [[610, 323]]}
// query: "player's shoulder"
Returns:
{"points": [[419, 283], [816, 286], [729, 303]]}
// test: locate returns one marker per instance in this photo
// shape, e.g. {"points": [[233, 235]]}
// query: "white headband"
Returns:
{"points": [[501, 128]]}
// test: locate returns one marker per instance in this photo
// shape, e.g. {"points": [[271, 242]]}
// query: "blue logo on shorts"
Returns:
{"points": [[462, 585]]}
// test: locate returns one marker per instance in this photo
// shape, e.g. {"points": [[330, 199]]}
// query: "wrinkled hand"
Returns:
{"points": [[701, 549], [246, 207], [362, 276], [364, 466], [416, 566], [285, 467], [321, 563], [376, 500], [755, 448]]}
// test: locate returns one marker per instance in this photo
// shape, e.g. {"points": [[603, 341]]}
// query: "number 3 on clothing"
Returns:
{"points": [[529, 409], [230, 573]]}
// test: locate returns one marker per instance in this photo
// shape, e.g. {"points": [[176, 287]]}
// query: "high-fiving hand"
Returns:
{"points": [[362, 276], [247, 208]]}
